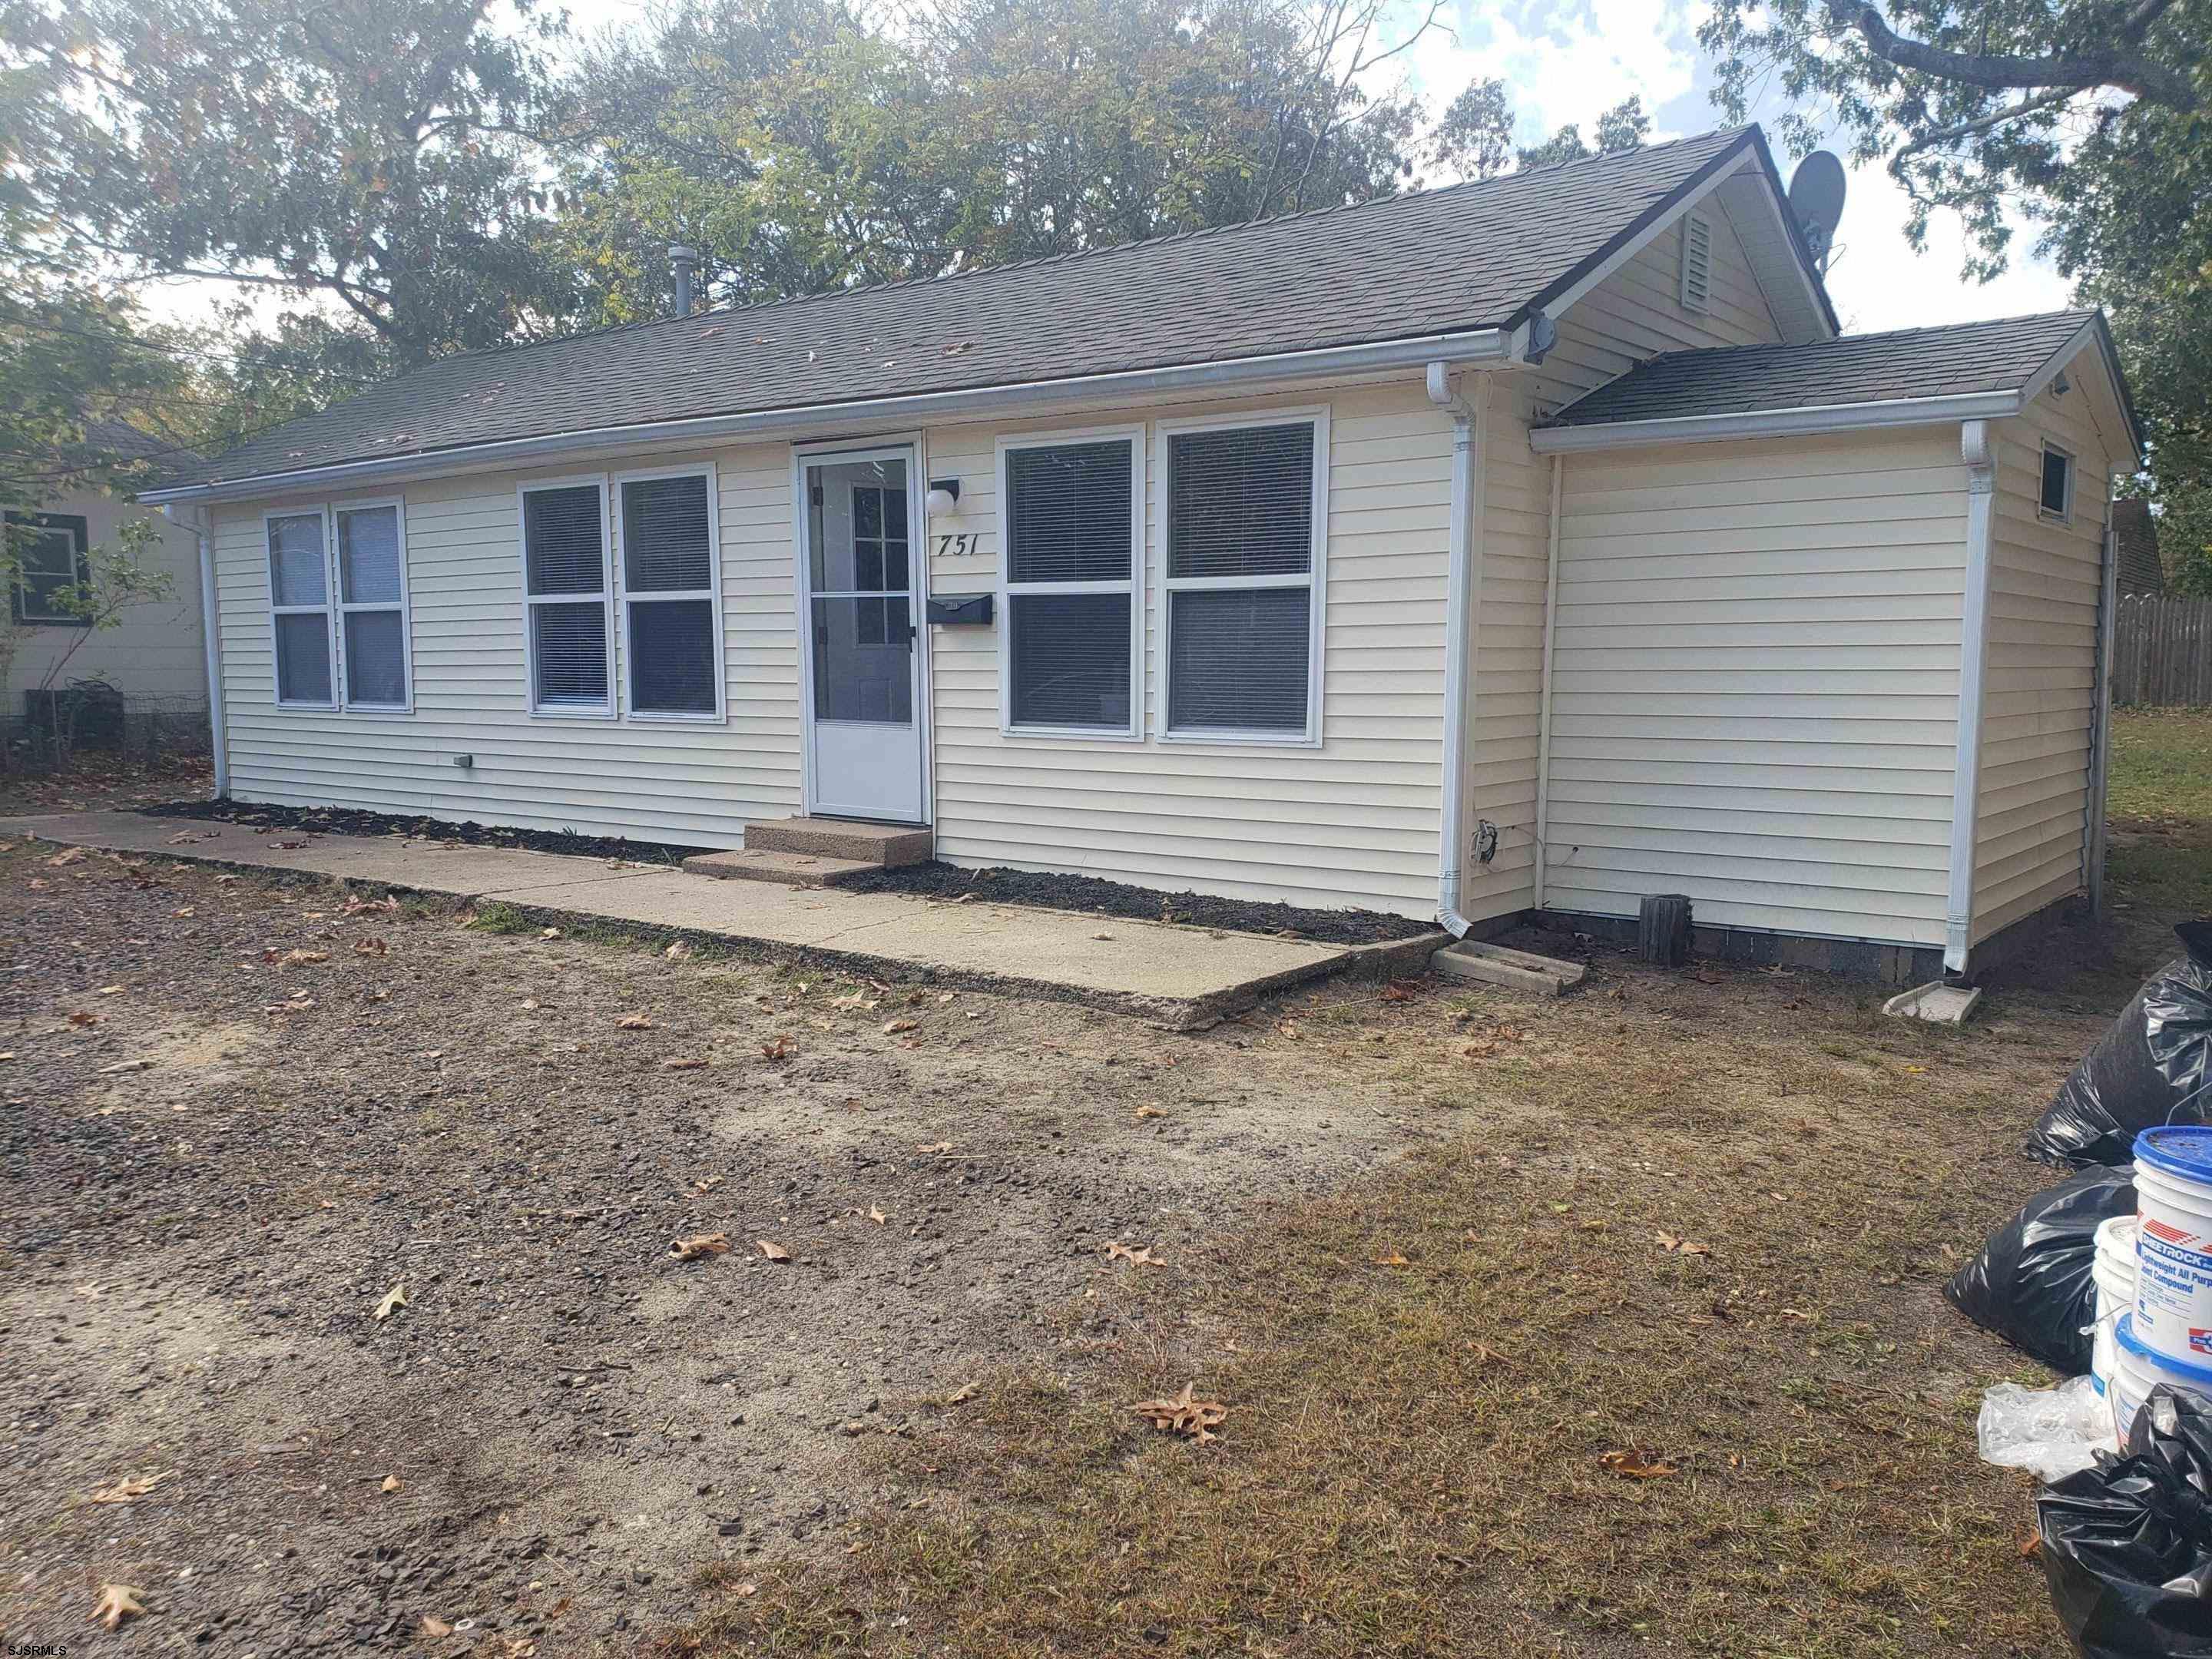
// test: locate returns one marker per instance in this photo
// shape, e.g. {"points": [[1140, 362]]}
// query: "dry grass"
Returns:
{"points": [[1411, 1463]]}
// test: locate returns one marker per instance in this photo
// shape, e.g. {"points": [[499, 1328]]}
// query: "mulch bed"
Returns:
{"points": [[353, 820], [1092, 895], [1089, 895]]}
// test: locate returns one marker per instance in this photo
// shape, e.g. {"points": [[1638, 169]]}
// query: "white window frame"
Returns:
{"points": [[605, 598], [327, 611], [1315, 578], [1696, 296], [712, 593], [2064, 514], [342, 682], [1009, 589]]}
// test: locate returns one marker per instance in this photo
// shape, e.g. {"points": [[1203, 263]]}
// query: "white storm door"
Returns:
{"points": [[861, 605]]}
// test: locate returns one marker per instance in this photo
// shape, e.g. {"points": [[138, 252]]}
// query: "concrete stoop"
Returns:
{"points": [[808, 852]]}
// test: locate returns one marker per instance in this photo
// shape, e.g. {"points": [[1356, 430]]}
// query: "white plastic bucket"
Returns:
{"points": [[2137, 1369], [2173, 1260], [2113, 1272]]}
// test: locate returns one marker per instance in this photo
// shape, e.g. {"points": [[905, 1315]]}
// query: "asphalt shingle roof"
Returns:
{"points": [[1469, 257], [1911, 362]]}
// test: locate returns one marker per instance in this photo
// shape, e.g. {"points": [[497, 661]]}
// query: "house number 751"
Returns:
{"points": [[957, 547]]}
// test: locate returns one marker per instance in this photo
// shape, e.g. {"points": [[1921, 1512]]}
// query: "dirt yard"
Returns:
{"points": [[1436, 1251]]}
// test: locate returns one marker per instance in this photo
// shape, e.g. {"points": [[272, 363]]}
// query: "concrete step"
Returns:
{"points": [[763, 864], [884, 844], [1496, 964]]}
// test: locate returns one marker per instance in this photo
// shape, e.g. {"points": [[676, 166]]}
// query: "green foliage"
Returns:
{"points": [[1622, 127]]}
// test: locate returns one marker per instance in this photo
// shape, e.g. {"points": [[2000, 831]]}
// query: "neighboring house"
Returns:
{"points": [[2136, 544], [155, 655], [1526, 544]]}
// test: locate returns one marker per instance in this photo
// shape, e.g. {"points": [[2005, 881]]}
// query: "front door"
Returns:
{"points": [[859, 564]]}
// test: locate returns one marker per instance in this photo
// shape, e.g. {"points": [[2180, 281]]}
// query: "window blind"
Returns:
{"points": [[569, 646], [375, 658], [562, 549], [371, 589], [674, 654], [1070, 660], [565, 584], [1240, 502], [303, 658], [1071, 585], [296, 575], [1239, 660], [300, 600], [1068, 513]]}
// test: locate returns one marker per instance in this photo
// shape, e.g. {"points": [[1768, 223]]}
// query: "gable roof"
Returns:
{"points": [[1864, 369], [1476, 257]]}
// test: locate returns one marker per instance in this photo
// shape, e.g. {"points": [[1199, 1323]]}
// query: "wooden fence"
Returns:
{"points": [[2163, 651]]}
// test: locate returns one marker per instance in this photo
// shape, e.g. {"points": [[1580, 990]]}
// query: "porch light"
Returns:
{"points": [[944, 495]]}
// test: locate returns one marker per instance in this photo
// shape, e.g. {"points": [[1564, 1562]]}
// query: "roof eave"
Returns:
{"points": [[1465, 348], [1804, 420]]}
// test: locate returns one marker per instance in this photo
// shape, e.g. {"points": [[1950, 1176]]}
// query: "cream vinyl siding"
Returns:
{"points": [[2038, 695], [155, 654], [696, 782], [1633, 315], [1352, 821], [1755, 682]]}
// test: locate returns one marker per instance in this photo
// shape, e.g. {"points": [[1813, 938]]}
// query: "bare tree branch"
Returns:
{"points": [[1967, 128], [1998, 72]]}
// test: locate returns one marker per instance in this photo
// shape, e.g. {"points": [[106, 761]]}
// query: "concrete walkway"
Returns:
{"points": [[1184, 978]]}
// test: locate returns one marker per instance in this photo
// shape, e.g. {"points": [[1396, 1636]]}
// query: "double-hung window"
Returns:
{"points": [[300, 608], [372, 556], [52, 556], [1072, 508], [566, 596], [671, 613], [1246, 514]]}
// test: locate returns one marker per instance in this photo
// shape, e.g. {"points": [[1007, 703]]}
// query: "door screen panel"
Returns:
{"points": [[860, 555]]}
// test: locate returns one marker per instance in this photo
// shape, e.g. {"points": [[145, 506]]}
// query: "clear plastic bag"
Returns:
{"points": [[2054, 1431]]}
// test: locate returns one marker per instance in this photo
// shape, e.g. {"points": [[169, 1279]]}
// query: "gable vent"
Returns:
{"points": [[1697, 262]]}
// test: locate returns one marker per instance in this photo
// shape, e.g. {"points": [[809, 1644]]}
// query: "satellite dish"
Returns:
{"points": [[1816, 197]]}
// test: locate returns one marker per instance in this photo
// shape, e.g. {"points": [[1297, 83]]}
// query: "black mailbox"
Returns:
{"points": [[960, 610]]}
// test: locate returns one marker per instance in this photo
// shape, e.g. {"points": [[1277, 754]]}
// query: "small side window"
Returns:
{"points": [[51, 563], [2057, 484]]}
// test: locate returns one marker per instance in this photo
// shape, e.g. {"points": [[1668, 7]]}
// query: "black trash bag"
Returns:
{"points": [[2152, 1067], [2032, 1284], [2127, 1544]]}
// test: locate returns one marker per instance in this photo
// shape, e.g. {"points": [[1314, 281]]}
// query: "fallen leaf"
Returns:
{"points": [[779, 1048], [1915, 1070], [634, 1023], [678, 951], [549, 932], [356, 906], [117, 1603], [1102, 936], [877, 1215], [123, 1066], [1141, 1257], [433, 1628], [289, 846], [393, 1483], [124, 1491], [939, 1147], [394, 1299], [369, 947], [1395, 1258], [855, 999], [1637, 1463], [892, 1027], [1690, 1247], [683, 1065], [111, 990], [1395, 992], [691, 1250], [1144, 1112], [963, 1393], [746, 1589], [68, 856], [296, 958], [1184, 1414], [773, 1251], [186, 910], [80, 1019], [530, 1002], [2031, 1545]]}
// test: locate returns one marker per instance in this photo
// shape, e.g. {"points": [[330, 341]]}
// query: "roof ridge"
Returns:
{"points": [[894, 284], [2082, 314]]}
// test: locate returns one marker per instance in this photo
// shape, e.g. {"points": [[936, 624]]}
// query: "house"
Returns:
{"points": [[1527, 545], [151, 661]]}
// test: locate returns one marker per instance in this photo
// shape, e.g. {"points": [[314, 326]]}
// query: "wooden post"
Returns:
{"points": [[1663, 929]]}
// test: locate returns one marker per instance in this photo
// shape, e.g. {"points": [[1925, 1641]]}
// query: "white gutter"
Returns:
{"points": [[1544, 684], [195, 520], [1975, 450], [1459, 654], [827, 420], [1776, 422]]}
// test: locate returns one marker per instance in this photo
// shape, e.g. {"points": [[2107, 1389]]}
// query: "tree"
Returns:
{"points": [[367, 155], [1966, 99], [803, 146], [1474, 138], [1623, 126]]}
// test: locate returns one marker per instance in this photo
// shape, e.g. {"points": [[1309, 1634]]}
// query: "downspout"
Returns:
{"points": [[1973, 660], [198, 521], [1544, 690], [2108, 594], [1459, 647]]}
